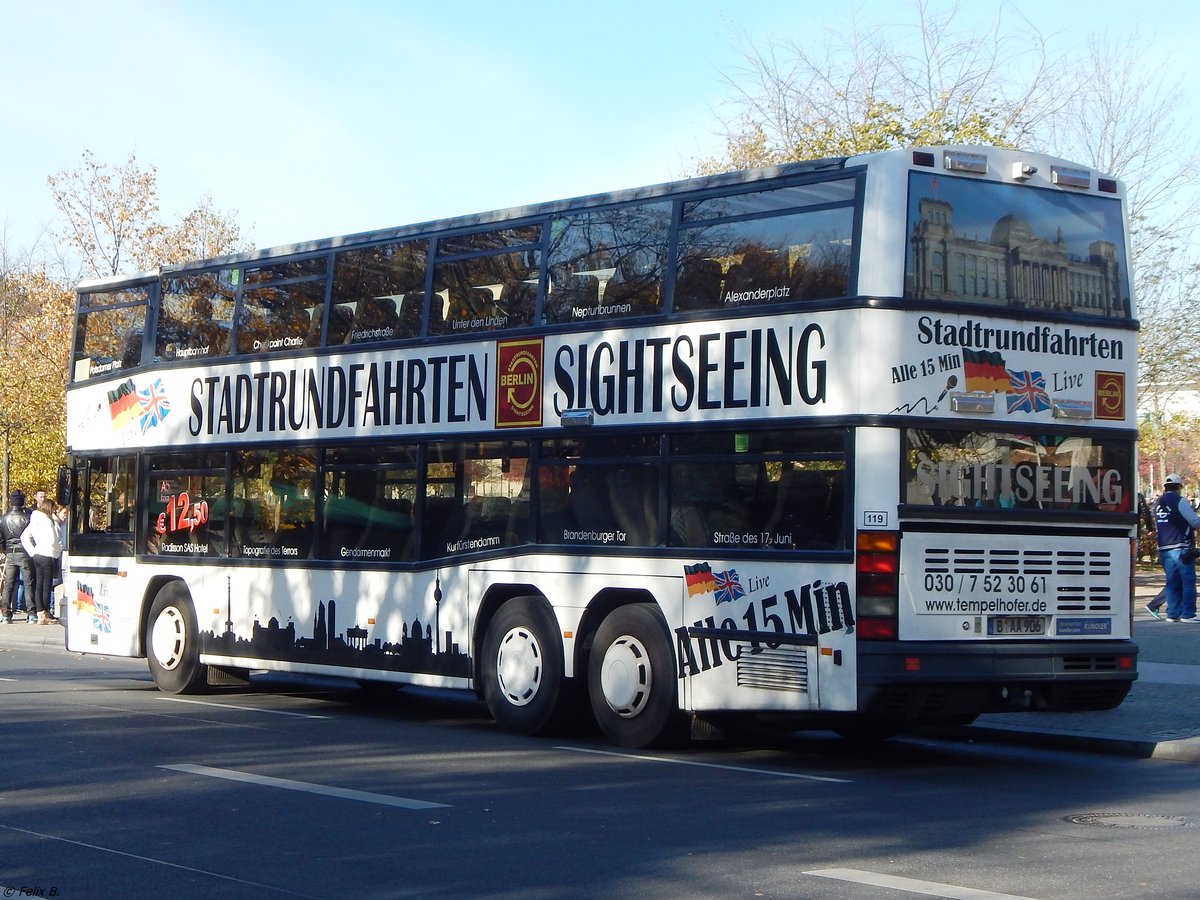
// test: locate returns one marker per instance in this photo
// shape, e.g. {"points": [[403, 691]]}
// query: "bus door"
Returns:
{"points": [[99, 551]]}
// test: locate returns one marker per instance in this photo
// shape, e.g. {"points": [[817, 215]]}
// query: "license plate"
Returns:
{"points": [[1016, 625]]}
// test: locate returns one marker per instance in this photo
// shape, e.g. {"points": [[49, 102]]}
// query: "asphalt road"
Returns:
{"points": [[301, 789]]}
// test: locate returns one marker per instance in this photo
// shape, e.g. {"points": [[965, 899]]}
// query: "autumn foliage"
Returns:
{"points": [[111, 225]]}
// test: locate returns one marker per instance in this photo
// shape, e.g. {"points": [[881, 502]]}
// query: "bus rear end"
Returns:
{"points": [[1007, 584]]}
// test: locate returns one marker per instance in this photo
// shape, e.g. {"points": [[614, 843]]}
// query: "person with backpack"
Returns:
{"points": [[1175, 522], [17, 568]]}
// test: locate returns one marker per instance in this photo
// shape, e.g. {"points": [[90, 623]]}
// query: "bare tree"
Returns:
{"points": [[113, 225], [1106, 104], [1124, 116], [859, 92], [111, 213]]}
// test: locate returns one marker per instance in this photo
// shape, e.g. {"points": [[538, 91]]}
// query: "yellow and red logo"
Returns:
{"points": [[519, 383], [1110, 395]]}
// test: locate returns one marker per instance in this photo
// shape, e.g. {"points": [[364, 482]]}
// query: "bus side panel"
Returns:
{"points": [[103, 607], [744, 636], [765, 636]]}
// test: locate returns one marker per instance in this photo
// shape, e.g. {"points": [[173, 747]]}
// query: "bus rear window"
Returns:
{"points": [[989, 470], [1014, 246]]}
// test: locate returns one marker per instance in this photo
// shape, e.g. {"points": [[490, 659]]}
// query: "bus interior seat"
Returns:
{"points": [[408, 316], [439, 517], [378, 314], [758, 269], [518, 519], [634, 283], [589, 503], [468, 303], [698, 285], [808, 506], [517, 301], [572, 292], [131, 351], [820, 274], [313, 338], [633, 505], [341, 319], [687, 526]]}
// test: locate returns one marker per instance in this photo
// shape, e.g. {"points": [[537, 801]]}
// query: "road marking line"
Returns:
{"points": [[929, 888], [274, 712], [157, 862], [704, 765], [8, 679], [289, 785]]}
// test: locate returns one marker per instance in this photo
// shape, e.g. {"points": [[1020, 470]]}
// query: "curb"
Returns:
{"points": [[1181, 750]]}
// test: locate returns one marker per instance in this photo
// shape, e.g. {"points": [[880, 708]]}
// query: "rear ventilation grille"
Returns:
{"points": [[781, 669], [1081, 580]]}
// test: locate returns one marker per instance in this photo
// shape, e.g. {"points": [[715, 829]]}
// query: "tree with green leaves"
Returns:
{"points": [[36, 316]]}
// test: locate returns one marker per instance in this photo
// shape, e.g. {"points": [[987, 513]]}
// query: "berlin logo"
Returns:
{"points": [[518, 383]]}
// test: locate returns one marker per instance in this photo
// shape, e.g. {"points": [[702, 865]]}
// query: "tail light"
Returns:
{"points": [[877, 577]]}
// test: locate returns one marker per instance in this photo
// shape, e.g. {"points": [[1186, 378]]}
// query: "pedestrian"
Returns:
{"points": [[1175, 522], [1156, 604], [60, 518], [17, 567], [43, 542]]}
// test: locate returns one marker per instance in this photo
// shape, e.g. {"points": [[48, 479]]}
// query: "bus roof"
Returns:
{"points": [[493, 217]]}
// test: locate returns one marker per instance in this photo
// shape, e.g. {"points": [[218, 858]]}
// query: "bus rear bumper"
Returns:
{"points": [[936, 681]]}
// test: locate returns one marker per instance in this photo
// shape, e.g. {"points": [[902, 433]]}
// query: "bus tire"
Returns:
{"points": [[173, 642], [631, 679], [522, 667]]}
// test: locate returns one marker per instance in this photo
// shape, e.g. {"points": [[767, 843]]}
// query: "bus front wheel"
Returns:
{"points": [[523, 680], [631, 679], [173, 642]]}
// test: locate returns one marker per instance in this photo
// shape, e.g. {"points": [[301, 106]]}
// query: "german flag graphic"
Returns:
{"points": [[85, 600], [699, 579], [123, 404], [985, 371]]}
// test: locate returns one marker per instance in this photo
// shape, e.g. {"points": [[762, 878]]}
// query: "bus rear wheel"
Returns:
{"points": [[522, 667], [631, 679], [173, 642]]}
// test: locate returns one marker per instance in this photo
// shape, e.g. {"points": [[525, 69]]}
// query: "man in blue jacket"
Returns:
{"points": [[1175, 522]]}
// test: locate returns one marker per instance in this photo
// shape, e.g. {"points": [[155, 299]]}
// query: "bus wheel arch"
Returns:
{"points": [[631, 677], [172, 640], [522, 671]]}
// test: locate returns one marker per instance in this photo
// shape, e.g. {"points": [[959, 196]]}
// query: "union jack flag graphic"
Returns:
{"points": [[728, 587], [100, 619], [155, 404], [1027, 392]]}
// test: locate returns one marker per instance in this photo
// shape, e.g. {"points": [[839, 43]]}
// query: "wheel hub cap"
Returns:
{"points": [[626, 676], [519, 666], [167, 638]]}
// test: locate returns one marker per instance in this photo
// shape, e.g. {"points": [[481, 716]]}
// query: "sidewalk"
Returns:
{"points": [[1160, 718]]}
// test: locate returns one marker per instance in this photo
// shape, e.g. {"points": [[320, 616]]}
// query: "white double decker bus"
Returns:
{"points": [[844, 444]]}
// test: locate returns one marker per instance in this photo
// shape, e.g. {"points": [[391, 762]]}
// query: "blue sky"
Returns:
{"points": [[310, 119]]}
